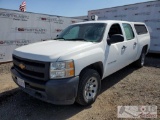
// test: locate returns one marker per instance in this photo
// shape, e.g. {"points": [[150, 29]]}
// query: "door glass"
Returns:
{"points": [[128, 31], [115, 29]]}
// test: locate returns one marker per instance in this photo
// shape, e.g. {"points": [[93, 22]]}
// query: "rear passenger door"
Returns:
{"points": [[132, 43]]}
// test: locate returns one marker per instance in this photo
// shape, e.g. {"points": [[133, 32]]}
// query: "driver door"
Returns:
{"points": [[116, 53]]}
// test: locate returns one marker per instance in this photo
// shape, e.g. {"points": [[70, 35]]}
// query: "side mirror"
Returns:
{"points": [[115, 39]]}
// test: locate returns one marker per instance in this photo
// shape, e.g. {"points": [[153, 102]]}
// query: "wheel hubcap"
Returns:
{"points": [[91, 87]]}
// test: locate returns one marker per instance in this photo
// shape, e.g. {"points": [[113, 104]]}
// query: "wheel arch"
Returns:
{"points": [[145, 48], [98, 66]]}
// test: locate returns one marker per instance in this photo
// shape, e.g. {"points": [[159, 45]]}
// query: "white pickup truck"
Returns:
{"points": [[70, 68]]}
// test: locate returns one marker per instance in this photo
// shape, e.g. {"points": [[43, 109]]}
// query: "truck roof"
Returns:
{"points": [[109, 21]]}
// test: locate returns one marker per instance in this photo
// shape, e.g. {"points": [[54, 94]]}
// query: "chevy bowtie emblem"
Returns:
{"points": [[22, 66]]}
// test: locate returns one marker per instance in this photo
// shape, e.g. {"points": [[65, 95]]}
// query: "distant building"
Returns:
{"points": [[81, 17]]}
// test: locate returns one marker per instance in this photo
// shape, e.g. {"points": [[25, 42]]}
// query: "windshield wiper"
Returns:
{"points": [[74, 39], [78, 39], [59, 38]]}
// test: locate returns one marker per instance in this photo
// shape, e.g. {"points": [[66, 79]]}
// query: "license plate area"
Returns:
{"points": [[20, 82]]}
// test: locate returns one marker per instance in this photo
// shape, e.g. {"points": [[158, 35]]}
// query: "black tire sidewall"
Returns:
{"points": [[139, 61], [94, 75], [144, 56], [86, 75]]}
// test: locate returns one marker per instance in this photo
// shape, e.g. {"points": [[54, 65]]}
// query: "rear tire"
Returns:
{"points": [[89, 87], [140, 62]]}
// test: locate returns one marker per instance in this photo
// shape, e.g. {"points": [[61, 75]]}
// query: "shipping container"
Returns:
{"points": [[147, 12], [22, 28]]}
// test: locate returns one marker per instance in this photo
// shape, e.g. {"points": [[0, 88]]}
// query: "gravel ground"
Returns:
{"points": [[129, 86]]}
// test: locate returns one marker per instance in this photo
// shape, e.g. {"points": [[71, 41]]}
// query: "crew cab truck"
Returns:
{"points": [[70, 68]]}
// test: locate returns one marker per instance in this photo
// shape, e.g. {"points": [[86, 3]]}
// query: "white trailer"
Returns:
{"points": [[148, 12], [22, 28]]}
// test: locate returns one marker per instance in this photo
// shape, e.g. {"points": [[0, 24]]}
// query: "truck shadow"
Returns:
{"points": [[116, 77], [18, 103], [153, 55], [153, 60]]}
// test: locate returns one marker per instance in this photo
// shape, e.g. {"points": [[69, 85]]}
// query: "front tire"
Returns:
{"points": [[89, 87]]}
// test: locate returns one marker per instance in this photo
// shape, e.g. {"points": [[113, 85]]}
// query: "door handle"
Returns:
{"points": [[135, 44], [124, 47]]}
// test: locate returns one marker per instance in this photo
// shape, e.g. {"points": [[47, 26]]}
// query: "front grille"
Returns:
{"points": [[33, 69]]}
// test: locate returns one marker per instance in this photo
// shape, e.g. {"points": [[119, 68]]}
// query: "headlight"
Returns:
{"points": [[63, 69]]}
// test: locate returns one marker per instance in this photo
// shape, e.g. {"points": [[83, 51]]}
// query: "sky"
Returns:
{"points": [[69, 8]]}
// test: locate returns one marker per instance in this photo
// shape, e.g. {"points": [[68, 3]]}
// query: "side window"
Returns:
{"points": [[73, 33], [140, 29], [115, 29], [128, 31]]}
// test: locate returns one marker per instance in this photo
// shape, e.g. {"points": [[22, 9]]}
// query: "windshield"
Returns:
{"points": [[92, 32]]}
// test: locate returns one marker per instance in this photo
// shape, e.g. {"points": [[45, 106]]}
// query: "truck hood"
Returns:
{"points": [[49, 50]]}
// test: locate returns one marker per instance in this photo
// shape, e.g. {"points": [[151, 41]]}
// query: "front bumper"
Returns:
{"points": [[60, 92]]}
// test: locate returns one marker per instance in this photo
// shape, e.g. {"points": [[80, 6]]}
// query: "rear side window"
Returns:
{"points": [[140, 29]]}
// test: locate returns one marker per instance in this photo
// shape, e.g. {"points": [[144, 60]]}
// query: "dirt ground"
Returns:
{"points": [[129, 86]]}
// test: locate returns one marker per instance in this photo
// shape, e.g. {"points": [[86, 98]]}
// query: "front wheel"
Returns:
{"points": [[89, 87]]}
